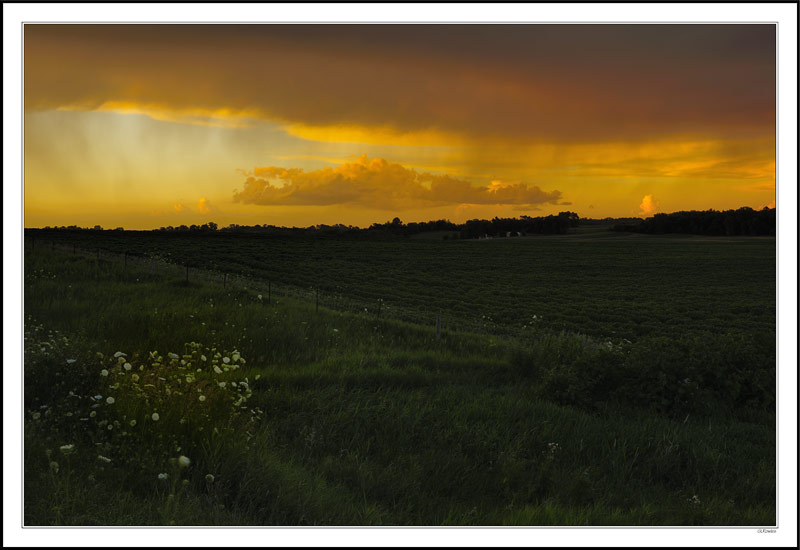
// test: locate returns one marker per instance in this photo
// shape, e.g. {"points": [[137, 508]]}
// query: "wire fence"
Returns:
{"points": [[271, 291]]}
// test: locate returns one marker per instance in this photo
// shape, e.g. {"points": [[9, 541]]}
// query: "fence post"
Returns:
{"points": [[438, 325]]}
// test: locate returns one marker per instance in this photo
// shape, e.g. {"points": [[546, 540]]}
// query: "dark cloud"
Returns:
{"points": [[377, 183], [530, 82]]}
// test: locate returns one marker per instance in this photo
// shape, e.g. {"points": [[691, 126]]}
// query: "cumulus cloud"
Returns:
{"points": [[203, 206], [649, 205], [378, 183]]}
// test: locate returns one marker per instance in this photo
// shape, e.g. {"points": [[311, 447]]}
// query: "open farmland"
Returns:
{"points": [[642, 393], [591, 282]]}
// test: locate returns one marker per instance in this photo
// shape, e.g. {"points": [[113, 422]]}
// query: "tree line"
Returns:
{"points": [[472, 229], [743, 221]]}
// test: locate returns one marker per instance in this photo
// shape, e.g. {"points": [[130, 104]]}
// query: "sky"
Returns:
{"points": [[143, 126]]}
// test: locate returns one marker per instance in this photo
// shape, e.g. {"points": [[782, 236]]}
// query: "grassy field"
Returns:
{"points": [[592, 281], [641, 394]]}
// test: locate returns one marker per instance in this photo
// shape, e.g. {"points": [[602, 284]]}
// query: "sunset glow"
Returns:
{"points": [[143, 126]]}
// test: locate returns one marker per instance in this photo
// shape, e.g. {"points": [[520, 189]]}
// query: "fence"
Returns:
{"points": [[272, 291]]}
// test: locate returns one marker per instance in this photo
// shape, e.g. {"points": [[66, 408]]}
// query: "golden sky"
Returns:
{"points": [[143, 126]]}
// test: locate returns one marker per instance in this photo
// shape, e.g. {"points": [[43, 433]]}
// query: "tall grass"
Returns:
{"points": [[346, 419]]}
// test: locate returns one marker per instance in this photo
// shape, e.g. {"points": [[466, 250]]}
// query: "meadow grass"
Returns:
{"points": [[350, 419]]}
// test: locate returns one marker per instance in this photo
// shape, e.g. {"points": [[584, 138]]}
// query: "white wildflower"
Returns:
{"points": [[67, 449], [104, 372], [155, 416], [127, 366], [183, 461], [110, 400]]}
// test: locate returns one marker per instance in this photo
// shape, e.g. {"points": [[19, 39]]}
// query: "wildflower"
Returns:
{"points": [[217, 370], [127, 366], [103, 458], [226, 360], [185, 482], [135, 377], [119, 354], [183, 461], [259, 296], [235, 356], [202, 398], [155, 417], [110, 400], [104, 372], [37, 415], [93, 414], [172, 355], [162, 476], [110, 427], [70, 361], [221, 384], [67, 449], [203, 358], [336, 330], [54, 466], [209, 478], [133, 423]]}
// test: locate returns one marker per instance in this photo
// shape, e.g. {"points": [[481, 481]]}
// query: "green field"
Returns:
{"points": [[642, 393]]}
